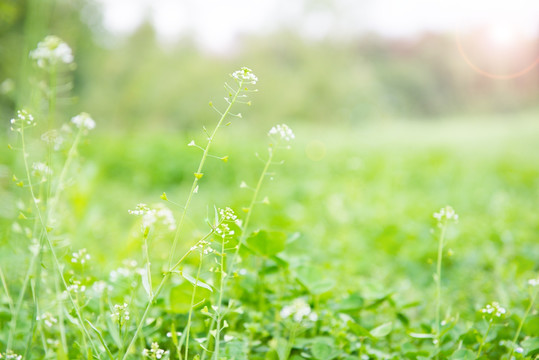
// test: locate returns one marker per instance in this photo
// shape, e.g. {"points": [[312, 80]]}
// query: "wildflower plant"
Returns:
{"points": [[445, 216]]}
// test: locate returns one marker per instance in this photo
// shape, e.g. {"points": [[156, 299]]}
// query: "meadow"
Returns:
{"points": [[236, 240]]}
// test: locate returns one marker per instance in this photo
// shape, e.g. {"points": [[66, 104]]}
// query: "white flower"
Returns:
{"points": [[40, 169], [533, 282], [23, 118], [227, 214], [80, 257], [10, 355], [493, 310], [161, 214], [298, 310], [245, 75], [120, 314], [48, 319], [54, 138], [76, 287], [50, 51], [283, 132], [446, 213], [83, 121], [154, 352]]}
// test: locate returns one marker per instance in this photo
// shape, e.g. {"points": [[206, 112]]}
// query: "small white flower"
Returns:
{"points": [[120, 314], [10, 355], [76, 287], [446, 213], [298, 310], [48, 319], [52, 50], [154, 352], [83, 121], [54, 138], [493, 310], [40, 169], [245, 75], [80, 257], [533, 282], [23, 119], [282, 132], [161, 214]]}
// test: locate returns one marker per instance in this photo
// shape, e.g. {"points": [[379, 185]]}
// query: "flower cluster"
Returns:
{"points": [[245, 75], [161, 214], [298, 310], [281, 133], [22, 119], [76, 287], [80, 257], [53, 137], [493, 310], [533, 282], [447, 213], [125, 272], [51, 51], [154, 352], [10, 355], [48, 319], [227, 214], [120, 314], [41, 170], [204, 246], [83, 121], [223, 230]]}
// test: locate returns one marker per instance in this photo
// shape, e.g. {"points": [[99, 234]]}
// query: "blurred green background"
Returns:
{"points": [[388, 131]]}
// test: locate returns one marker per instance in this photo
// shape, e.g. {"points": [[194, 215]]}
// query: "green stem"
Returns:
{"points": [[243, 236], [156, 294], [483, 340], [199, 173], [47, 239], [515, 339], [438, 284], [220, 301], [188, 327]]}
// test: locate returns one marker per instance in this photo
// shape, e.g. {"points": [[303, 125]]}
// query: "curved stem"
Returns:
{"points": [[242, 238], [48, 241], [517, 334], [198, 174], [188, 327], [483, 340], [438, 284]]}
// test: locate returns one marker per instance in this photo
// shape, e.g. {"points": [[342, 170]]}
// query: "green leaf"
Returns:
{"points": [[359, 330], [531, 346], [266, 243], [323, 351], [195, 282], [382, 330], [180, 296], [463, 354], [313, 279]]}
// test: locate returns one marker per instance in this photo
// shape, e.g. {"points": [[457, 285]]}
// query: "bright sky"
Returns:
{"points": [[215, 24]]}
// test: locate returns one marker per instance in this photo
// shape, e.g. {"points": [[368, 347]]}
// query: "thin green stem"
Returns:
{"points": [[199, 173], [243, 235], [52, 95], [220, 301], [517, 334], [49, 243], [483, 340], [254, 200], [438, 284], [188, 327], [156, 294]]}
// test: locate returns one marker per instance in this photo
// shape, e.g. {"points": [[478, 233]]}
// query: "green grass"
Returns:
{"points": [[356, 206]]}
